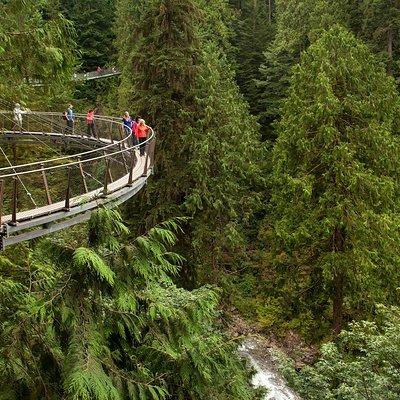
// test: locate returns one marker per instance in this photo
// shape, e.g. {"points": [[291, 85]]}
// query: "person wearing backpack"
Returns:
{"points": [[70, 119]]}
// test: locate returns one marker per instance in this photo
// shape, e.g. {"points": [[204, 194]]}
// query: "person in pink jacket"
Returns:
{"points": [[90, 122]]}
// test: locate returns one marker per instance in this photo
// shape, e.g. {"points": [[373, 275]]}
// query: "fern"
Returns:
{"points": [[90, 323]]}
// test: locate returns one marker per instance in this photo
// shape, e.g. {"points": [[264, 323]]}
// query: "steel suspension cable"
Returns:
{"points": [[58, 153], [19, 178]]}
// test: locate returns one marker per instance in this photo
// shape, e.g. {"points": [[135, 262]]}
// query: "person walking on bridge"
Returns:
{"points": [[70, 119], [17, 120], [134, 125], [141, 132], [127, 122], [90, 122]]}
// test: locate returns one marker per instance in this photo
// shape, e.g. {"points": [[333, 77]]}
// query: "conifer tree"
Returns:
{"points": [[35, 45], [101, 319], [380, 26], [206, 140], [93, 23], [298, 23], [335, 177], [254, 32]]}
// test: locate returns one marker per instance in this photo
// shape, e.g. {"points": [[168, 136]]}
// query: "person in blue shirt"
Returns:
{"points": [[127, 121], [70, 119]]}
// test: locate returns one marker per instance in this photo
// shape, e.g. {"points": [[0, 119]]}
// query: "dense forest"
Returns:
{"points": [[275, 201]]}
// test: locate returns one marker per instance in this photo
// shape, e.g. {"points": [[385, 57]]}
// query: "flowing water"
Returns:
{"points": [[267, 376]]}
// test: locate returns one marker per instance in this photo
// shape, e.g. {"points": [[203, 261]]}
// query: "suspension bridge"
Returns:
{"points": [[73, 173], [88, 76], [98, 74]]}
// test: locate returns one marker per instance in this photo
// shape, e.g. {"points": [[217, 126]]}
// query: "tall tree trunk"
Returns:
{"points": [[255, 13], [270, 11], [390, 50]]}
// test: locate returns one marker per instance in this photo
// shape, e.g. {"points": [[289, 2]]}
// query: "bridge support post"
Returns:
{"points": [[106, 177], [82, 175], [1, 199], [110, 133], [46, 185], [14, 202], [68, 191], [123, 157], [148, 162], [152, 151], [133, 163]]}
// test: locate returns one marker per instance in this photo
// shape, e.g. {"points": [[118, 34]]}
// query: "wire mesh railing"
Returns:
{"points": [[94, 167]]}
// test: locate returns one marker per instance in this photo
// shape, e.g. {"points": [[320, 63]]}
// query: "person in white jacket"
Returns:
{"points": [[18, 117]]}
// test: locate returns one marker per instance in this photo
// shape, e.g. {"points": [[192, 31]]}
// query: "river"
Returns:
{"points": [[267, 376]]}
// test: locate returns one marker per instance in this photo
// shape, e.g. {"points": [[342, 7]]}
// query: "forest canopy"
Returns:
{"points": [[273, 200]]}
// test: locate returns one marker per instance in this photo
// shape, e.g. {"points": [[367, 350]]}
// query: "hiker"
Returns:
{"points": [[127, 122], [90, 122], [134, 125], [70, 116], [17, 120], [141, 132]]}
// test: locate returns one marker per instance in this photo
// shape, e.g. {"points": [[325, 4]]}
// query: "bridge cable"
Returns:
{"points": [[55, 151], [19, 178]]}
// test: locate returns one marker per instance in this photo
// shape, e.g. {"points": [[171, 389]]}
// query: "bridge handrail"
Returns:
{"points": [[77, 155], [80, 76], [79, 162]]}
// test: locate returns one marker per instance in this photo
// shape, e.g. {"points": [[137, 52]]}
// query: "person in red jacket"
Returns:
{"points": [[90, 122], [141, 131]]}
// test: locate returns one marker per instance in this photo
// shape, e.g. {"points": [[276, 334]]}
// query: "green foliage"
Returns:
{"points": [[298, 23], [254, 32], [362, 364], [94, 23], [106, 322], [207, 143], [380, 27], [35, 45], [335, 202]]}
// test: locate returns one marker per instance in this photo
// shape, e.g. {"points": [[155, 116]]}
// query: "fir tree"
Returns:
{"points": [[207, 143], [102, 320], [380, 27], [335, 177], [93, 22], [35, 45], [254, 32], [298, 23]]}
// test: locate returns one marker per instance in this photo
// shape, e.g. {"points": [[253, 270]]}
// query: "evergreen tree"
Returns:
{"points": [[380, 26], [93, 22], [361, 365], [126, 42], [335, 178], [207, 143], [298, 23], [254, 32], [35, 45], [102, 320]]}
